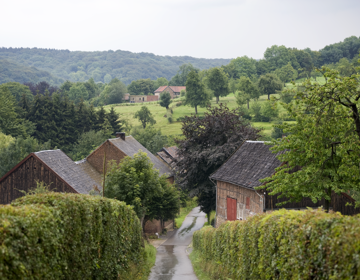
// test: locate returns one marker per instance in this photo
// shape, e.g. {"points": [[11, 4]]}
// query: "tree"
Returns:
{"points": [[160, 82], [182, 74], [345, 68], [107, 78], [305, 61], [150, 137], [195, 92], [142, 86], [145, 117], [165, 99], [286, 73], [217, 81], [114, 92], [78, 92], [248, 90], [135, 182], [279, 56], [114, 120], [17, 150], [18, 90], [324, 142], [243, 66], [207, 144], [269, 84]]}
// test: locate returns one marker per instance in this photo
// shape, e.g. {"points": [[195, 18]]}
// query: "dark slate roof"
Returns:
{"points": [[69, 171], [250, 163], [172, 151], [131, 146], [165, 157]]}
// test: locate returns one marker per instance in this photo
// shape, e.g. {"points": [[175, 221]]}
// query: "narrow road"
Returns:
{"points": [[172, 261]]}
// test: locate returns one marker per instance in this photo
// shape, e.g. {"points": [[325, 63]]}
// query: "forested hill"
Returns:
{"points": [[104, 65], [14, 72]]}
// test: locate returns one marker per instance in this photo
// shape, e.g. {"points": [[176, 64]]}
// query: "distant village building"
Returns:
{"points": [[142, 98], [62, 174], [126, 97], [237, 178], [173, 90]]}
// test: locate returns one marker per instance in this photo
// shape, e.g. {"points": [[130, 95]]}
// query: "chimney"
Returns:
{"points": [[120, 135]]}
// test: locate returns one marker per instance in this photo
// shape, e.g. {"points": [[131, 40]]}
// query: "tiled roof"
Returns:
{"points": [[172, 151], [72, 173], [130, 147], [177, 88], [160, 89], [165, 157], [250, 163]]}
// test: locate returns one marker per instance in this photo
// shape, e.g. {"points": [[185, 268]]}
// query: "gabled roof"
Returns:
{"points": [[173, 88], [251, 162], [75, 175], [130, 146], [171, 151]]}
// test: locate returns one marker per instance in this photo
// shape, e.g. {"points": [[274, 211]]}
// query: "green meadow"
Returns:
{"points": [[128, 110]]}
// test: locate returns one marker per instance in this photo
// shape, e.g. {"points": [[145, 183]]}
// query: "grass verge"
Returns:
{"points": [[200, 267], [150, 252], [210, 218], [184, 211]]}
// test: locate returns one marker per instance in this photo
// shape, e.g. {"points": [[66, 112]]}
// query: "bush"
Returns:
{"points": [[283, 245], [69, 236]]}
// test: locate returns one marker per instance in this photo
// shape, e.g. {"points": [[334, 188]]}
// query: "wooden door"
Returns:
{"points": [[231, 209]]}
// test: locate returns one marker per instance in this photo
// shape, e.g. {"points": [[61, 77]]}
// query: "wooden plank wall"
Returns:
{"points": [[25, 177]]}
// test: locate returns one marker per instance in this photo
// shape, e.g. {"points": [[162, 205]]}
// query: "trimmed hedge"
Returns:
{"points": [[285, 244], [69, 236]]}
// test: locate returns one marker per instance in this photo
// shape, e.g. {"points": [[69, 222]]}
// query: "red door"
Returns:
{"points": [[231, 209]]}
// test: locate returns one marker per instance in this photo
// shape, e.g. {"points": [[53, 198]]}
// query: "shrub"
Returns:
{"points": [[283, 245], [69, 236]]}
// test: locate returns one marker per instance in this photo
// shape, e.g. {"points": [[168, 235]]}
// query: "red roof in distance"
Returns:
{"points": [[174, 88]]}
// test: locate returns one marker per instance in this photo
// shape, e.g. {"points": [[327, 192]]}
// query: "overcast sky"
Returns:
{"points": [[198, 28]]}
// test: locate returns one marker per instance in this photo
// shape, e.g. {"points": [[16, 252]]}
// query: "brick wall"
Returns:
{"points": [[172, 93], [96, 159], [150, 98], [248, 201]]}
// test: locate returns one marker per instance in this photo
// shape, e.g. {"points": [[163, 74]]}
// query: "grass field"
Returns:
{"points": [[159, 113]]}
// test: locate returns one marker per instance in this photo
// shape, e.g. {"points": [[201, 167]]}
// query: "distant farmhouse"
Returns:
{"points": [[142, 98], [237, 178], [173, 90], [62, 174]]}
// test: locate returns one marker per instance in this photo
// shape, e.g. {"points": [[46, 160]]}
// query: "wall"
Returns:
{"points": [[138, 98], [224, 190], [150, 98], [96, 159], [24, 178], [171, 92], [157, 226]]}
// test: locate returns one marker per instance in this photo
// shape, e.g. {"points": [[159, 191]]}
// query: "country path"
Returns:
{"points": [[172, 261]]}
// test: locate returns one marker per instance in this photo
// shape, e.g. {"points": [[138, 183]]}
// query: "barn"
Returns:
{"points": [[237, 178]]}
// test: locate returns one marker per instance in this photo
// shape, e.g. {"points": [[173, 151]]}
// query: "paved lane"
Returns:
{"points": [[172, 262]]}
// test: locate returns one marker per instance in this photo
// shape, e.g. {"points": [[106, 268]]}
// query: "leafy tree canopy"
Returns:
{"points": [[145, 117], [208, 142], [150, 137], [165, 99], [217, 81], [269, 84], [182, 74], [195, 92]]}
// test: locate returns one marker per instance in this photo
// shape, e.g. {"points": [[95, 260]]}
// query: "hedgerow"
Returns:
{"points": [[285, 244], [69, 236]]}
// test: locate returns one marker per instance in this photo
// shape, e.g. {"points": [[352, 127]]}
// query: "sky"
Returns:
{"points": [[198, 28]]}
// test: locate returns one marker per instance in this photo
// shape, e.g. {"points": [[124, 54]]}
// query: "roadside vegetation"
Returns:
{"points": [[187, 205]]}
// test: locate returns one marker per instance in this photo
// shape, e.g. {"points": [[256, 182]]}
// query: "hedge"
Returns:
{"points": [[68, 236], [285, 244]]}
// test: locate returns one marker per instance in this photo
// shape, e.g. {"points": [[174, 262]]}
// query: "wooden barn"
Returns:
{"points": [[236, 179], [52, 167]]}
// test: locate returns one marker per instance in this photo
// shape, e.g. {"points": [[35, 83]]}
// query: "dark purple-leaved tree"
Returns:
{"points": [[208, 142]]}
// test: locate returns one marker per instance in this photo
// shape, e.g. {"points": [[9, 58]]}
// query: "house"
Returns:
{"points": [[61, 174], [52, 167], [173, 90], [126, 97], [237, 178], [168, 155], [142, 98]]}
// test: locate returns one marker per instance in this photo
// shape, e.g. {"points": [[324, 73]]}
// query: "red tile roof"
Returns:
{"points": [[174, 88]]}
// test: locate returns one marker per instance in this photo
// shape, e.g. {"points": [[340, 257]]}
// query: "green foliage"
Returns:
{"points": [[135, 182], [5, 140], [286, 73], [324, 141], [40, 188], [282, 245], [182, 93], [145, 117], [187, 204], [241, 67], [269, 84], [17, 150], [207, 144], [182, 74], [18, 90], [247, 91], [165, 99], [142, 86], [150, 137], [217, 81], [195, 91], [160, 82], [69, 236]]}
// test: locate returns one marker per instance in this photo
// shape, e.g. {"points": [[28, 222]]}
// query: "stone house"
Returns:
{"points": [[173, 90], [142, 98], [237, 178]]}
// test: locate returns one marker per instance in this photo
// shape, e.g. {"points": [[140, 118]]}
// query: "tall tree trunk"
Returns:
{"points": [[269, 96], [217, 99], [195, 110]]}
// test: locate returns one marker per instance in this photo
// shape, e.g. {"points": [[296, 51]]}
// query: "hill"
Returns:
{"points": [[11, 71], [126, 66]]}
